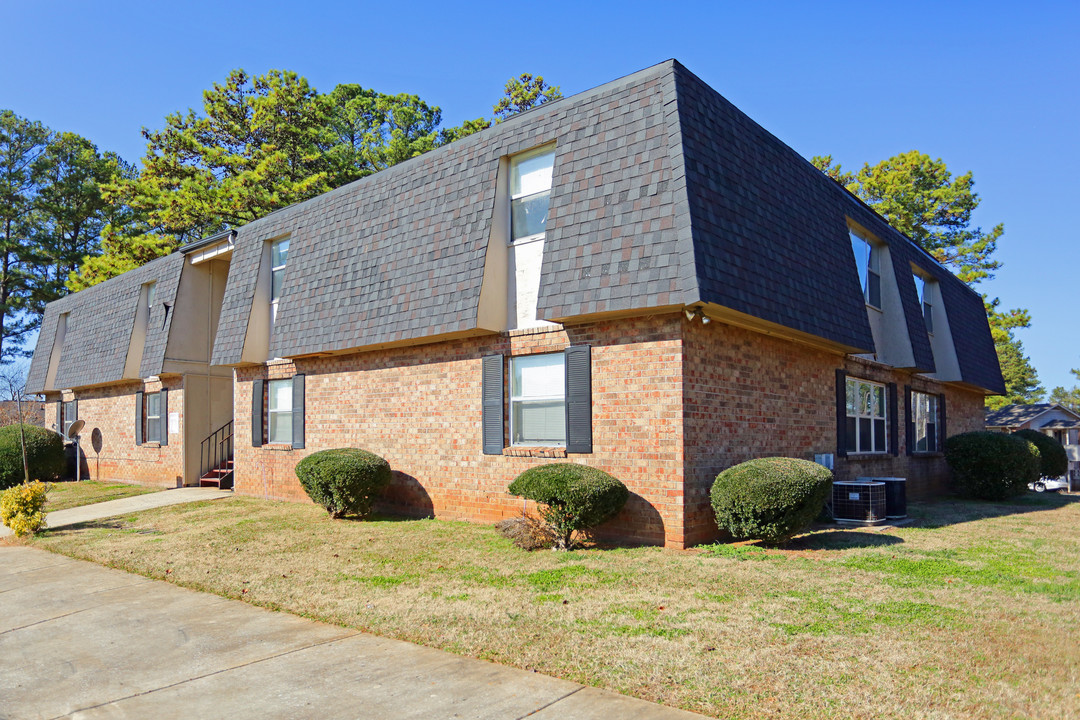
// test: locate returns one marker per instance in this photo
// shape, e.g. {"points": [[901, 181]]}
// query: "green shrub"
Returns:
{"points": [[345, 481], [574, 497], [22, 508], [991, 466], [44, 455], [770, 499], [1053, 460]]}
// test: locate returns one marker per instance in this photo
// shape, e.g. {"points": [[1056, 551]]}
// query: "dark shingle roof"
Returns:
{"points": [[664, 194], [99, 328], [971, 335], [769, 234], [1059, 423], [400, 255], [1014, 415]]}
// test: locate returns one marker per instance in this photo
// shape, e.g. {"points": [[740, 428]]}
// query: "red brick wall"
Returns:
{"points": [[111, 410], [751, 395], [671, 400], [420, 408]]}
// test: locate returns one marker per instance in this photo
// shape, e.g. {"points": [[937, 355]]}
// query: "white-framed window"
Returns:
{"points": [[924, 420], [925, 290], [538, 400], [867, 422], [279, 254], [530, 191], [68, 413], [151, 295], [153, 417], [280, 411], [868, 261]]}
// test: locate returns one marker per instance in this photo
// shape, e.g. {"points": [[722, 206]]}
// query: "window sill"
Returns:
{"points": [[526, 240], [536, 452], [151, 445], [927, 454], [281, 447], [868, 455]]}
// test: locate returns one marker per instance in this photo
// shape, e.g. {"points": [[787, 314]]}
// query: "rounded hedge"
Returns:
{"points": [[575, 496], [770, 499], [990, 465], [1053, 460], [345, 481], [44, 455]]}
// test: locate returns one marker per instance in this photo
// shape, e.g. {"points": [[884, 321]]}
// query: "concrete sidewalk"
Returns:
{"points": [[80, 640], [123, 506]]}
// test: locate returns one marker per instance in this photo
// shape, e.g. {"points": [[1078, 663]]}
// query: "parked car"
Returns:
{"points": [[1049, 484]]}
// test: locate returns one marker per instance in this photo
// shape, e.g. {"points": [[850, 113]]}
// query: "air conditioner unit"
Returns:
{"points": [[858, 502], [895, 495]]}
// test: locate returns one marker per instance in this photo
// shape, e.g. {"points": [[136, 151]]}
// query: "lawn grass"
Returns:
{"points": [[971, 611], [64, 495]]}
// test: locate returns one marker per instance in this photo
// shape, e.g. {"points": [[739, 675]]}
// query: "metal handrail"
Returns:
{"points": [[216, 450]]}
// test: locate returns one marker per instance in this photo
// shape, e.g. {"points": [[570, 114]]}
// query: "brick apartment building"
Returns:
{"points": [[638, 278]]}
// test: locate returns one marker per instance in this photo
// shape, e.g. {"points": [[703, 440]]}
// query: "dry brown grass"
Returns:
{"points": [[64, 495], [972, 612], [527, 532]]}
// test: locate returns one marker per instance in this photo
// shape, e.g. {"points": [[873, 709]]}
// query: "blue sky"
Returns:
{"points": [[990, 87]]}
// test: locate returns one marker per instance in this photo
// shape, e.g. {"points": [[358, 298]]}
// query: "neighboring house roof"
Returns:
{"points": [[100, 322], [1059, 423], [664, 195], [1017, 415]]}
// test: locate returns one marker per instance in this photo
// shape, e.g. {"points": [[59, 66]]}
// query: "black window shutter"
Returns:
{"points": [[74, 410], [257, 412], [578, 399], [60, 415], [909, 425], [894, 421], [298, 411], [139, 417], [841, 413], [163, 421], [941, 433], [492, 404]]}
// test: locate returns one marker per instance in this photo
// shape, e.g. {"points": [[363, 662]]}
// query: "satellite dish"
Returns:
{"points": [[75, 428]]}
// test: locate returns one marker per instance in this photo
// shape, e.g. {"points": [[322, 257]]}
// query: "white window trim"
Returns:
{"points": [[915, 423], [561, 397], [858, 416], [926, 304], [873, 258], [65, 416], [270, 412], [273, 269], [149, 417], [515, 159]]}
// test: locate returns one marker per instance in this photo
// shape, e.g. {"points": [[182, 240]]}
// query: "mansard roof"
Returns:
{"points": [[664, 195], [99, 324]]}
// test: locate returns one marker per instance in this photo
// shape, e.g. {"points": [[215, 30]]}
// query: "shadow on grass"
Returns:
{"points": [[110, 523], [953, 511], [842, 540]]}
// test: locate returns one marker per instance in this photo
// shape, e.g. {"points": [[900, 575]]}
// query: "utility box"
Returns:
{"points": [[858, 502], [895, 495]]}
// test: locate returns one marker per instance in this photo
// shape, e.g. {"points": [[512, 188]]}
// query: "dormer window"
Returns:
{"points": [[530, 191], [925, 290], [279, 253], [868, 261], [151, 289]]}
